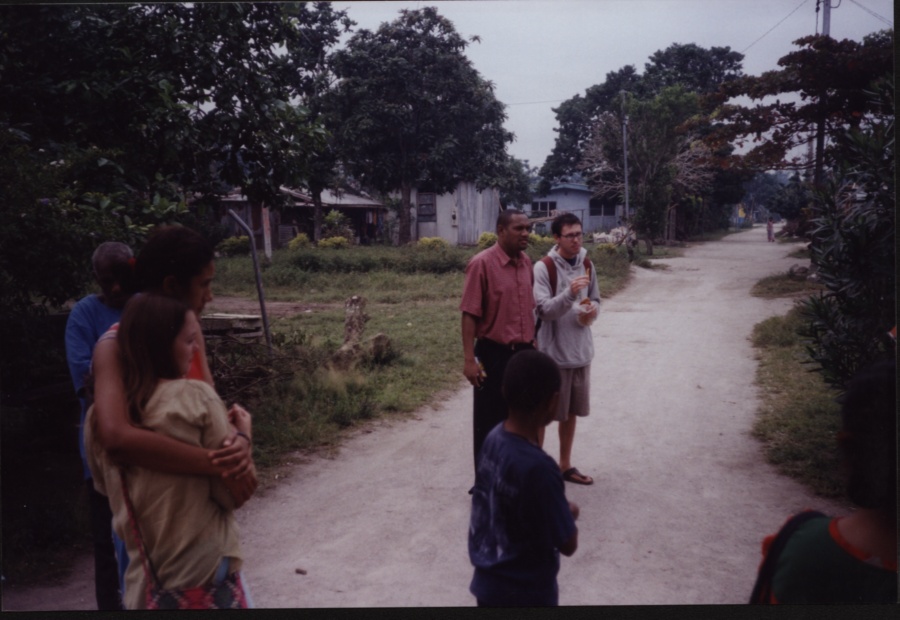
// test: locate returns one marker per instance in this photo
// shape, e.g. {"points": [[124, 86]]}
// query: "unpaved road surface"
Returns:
{"points": [[681, 500]]}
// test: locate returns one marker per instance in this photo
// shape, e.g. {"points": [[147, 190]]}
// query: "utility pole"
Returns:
{"points": [[820, 123], [627, 214]]}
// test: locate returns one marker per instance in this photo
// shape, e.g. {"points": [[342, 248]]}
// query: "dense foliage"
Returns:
{"points": [[830, 78], [853, 246], [670, 171], [114, 117]]}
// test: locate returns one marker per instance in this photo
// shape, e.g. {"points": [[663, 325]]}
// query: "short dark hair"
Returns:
{"points": [[531, 377], [563, 219], [506, 216], [172, 251], [868, 438]]}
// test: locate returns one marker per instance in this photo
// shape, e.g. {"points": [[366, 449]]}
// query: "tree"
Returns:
{"points": [[124, 112], [576, 118], [514, 183], [413, 110], [761, 189], [828, 76], [790, 200], [694, 68], [854, 249], [666, 162]]}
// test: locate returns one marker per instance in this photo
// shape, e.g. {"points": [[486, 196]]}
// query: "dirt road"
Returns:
{"points": [[681, 499]]}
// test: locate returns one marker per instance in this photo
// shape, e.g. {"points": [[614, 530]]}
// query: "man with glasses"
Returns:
{"points": [[565, 291], [497, 318]]}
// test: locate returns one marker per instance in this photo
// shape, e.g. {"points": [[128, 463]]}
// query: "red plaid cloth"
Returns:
{"points": [[499, 293]]}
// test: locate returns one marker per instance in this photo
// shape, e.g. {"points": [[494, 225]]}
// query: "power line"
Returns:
{"points": [[873, 13], [774, 27]]}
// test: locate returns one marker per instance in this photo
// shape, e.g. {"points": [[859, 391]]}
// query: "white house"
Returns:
{"points": [[595, 214]]}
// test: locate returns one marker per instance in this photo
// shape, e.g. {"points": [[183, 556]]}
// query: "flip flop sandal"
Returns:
{"points": [[576, 477]]}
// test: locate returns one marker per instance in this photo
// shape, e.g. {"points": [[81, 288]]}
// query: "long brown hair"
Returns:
{"points": [[147, 332]]}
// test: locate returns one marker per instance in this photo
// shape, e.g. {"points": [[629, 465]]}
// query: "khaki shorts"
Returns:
{"points": [[574, 393]]}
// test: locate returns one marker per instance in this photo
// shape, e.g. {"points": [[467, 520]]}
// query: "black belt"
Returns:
{"points": [[512, 346]]}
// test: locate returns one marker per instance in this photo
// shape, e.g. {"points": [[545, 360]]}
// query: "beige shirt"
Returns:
{"points": [[186, 522]]}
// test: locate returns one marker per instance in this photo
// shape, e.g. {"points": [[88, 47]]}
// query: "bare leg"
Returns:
{"points": [[566, 438]]}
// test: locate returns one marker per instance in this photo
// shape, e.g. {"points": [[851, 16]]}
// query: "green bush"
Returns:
{"points": [[486, 240], [234, 246], [540, 244], [610, 249], [301, 241], [334, 243], [438, 243], [336, 224], [853, 246]]}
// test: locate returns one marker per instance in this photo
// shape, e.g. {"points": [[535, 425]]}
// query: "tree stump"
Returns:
{"points": [[377, 347]]}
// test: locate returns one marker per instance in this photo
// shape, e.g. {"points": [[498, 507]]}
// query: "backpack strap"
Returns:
{"points": [[762, 589], [551, 272]]}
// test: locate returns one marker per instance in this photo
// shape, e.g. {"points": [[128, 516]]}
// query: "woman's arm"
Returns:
{"points": [[128, 444]]}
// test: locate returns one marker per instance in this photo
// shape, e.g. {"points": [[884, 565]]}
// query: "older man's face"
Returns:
{"points": [[116, 280]]}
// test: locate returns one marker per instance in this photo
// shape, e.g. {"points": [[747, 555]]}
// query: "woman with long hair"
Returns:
{"points": [[179, 530]]}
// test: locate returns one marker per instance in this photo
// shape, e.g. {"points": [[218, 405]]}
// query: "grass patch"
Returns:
{"points": [[799, 417], [301, 404], [783, 285]]}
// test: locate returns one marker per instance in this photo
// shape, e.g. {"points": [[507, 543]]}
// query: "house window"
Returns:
{"points": [[600, 207], [425, 207], [545, 206]]}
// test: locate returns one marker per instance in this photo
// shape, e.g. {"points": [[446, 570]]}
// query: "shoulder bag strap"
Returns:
{"points": [[145, 559]]}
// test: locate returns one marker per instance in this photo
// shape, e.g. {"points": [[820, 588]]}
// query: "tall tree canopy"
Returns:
{"points": [[113, 115], [666, 160], [694, 68], [413, 110], [829, 77]]}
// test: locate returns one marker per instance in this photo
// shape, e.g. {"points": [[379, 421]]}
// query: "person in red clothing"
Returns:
{"points": [[852, 559], [497, 318]]}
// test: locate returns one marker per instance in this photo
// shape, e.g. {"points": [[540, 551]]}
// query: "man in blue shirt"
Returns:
{"points": [[521, 520], [89, 319]]}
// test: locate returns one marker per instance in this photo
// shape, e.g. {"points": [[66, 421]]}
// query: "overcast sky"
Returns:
{"points": [[539, 53]]}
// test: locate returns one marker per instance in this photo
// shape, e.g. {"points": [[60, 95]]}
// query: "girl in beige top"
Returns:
{"points": [[186, 521]]}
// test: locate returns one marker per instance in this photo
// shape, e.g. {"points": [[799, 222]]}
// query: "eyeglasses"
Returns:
{"points": [[573, 236]]}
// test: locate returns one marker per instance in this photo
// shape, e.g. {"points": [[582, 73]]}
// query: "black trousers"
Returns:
{"points": [[489, 408], [106, 570]]}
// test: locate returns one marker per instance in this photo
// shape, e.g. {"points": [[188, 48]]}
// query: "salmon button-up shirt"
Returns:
{"points": [[499, 293]]}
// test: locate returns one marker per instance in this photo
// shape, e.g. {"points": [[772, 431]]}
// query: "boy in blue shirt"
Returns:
{"points": [[521, 520]]}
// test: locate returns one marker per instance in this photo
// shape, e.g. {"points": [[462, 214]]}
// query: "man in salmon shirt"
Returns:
{"points": [[497, 318]]}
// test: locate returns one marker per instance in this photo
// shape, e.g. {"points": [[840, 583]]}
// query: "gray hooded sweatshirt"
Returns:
{"points": [[561, 337]]}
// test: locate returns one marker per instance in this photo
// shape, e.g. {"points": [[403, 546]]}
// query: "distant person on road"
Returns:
{"points": [[817, 559], [565, 291], [770, 229], [113, 267], [179, 530], [521, 520], [497, 318]]}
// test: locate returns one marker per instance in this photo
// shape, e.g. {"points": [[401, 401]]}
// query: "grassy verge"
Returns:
{"points": [[415, 306], [799, 417], [782, 285]]}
